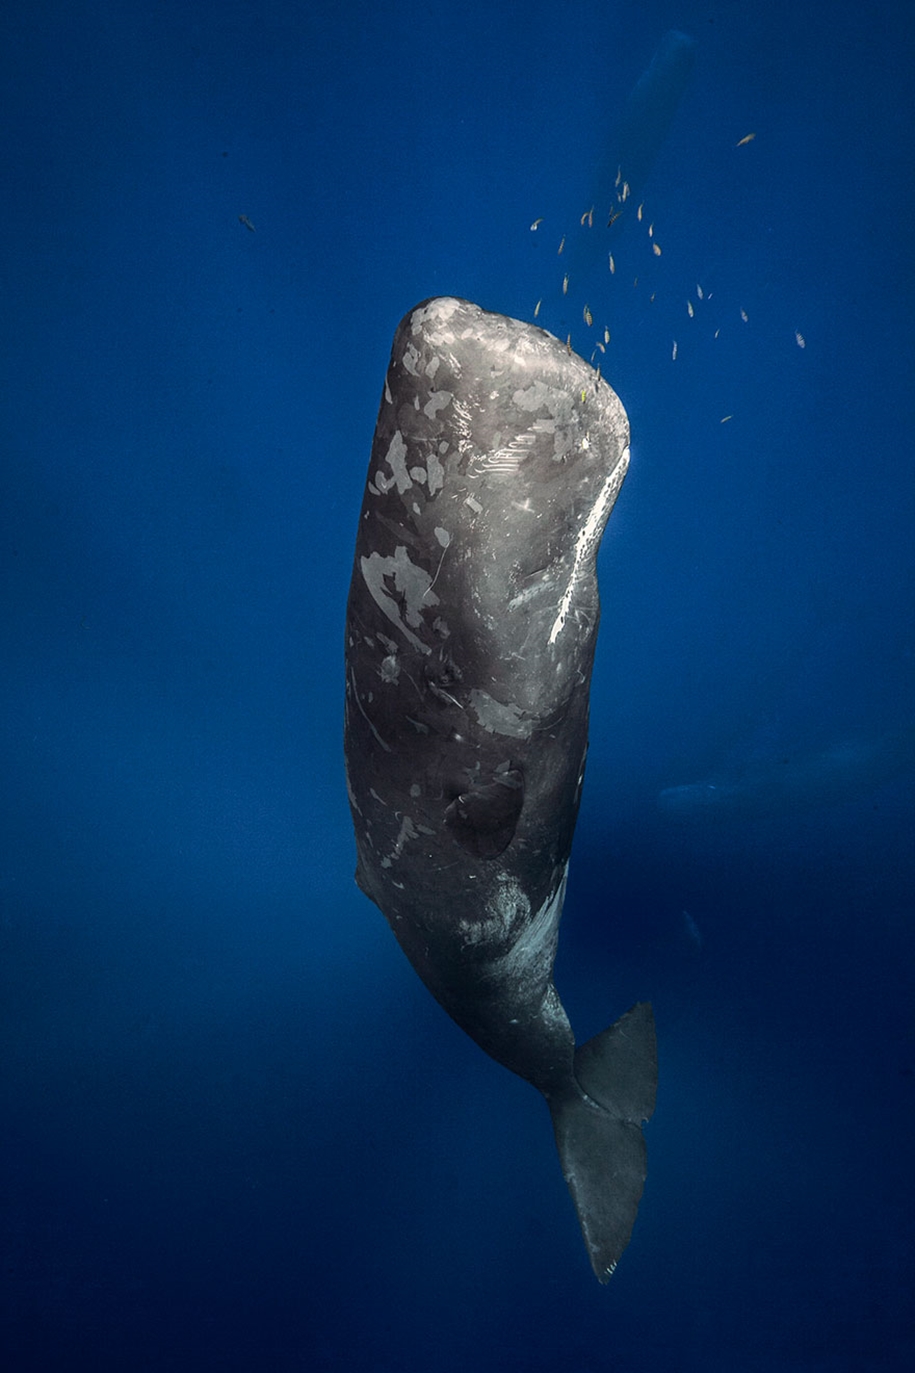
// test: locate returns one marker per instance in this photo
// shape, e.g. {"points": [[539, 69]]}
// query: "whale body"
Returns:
{"points": [[471, 626], [795, 781]]}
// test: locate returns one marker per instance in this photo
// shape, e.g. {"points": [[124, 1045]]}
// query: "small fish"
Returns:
{"points": [[744, 316], [801, 341], [614, 215], [624, 193], [243, 219], [747, 138], [565, 284], [536, 224], [656, 249], [724, 419], [638, 213], [569, 344], [673, 352], [651, 298], [537, 307], [699, 291], [587, 317], [716, 333], [600, 346], [588, 218], [611, 264], [689, 309], [597, 376], [651, 231], [562, 244], [606, 334], [619, 176]]}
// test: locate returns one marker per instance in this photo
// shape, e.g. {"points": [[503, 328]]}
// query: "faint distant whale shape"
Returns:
{"points": [[471, 626], [631, 153], [795, 781], [651, 108]]}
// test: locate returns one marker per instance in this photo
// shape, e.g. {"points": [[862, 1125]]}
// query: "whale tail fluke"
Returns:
{"points": [[599, 1132]]}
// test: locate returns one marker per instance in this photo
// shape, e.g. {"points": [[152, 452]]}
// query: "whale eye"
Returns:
{"points": [[443, 673], [483, 818]]}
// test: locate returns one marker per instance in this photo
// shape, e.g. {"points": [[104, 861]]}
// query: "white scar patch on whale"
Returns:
{"points": [[499, 718], [413, 585], [396, 458]]}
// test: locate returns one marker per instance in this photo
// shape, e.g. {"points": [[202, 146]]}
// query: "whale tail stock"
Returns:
{"points": [[598, 1132]]}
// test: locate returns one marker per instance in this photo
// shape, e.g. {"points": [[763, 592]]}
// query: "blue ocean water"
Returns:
{"points": [[236, 1132]]}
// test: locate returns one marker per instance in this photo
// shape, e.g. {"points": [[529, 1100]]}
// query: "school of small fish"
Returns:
{"points": [[620, 207]]}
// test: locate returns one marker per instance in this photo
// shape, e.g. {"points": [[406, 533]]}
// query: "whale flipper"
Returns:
{"points": [[599, 1136]]}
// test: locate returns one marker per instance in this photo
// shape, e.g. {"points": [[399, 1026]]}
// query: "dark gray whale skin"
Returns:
{"points": [[471, 626]]}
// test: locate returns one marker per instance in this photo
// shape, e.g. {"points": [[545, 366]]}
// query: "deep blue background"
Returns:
{"points": [[235, 1131]]}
